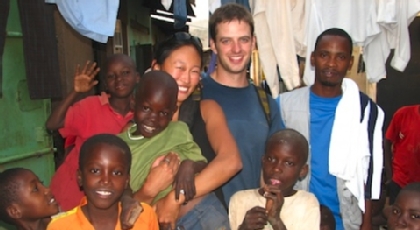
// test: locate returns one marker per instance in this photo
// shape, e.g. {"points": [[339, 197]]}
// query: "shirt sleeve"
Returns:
{"points": [[394, 127], [151, 217], [75, 119], [189, 150], [277, 123]]}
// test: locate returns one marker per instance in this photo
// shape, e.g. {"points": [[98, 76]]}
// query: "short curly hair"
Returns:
{"points": [[9, 187], [227, 13]]}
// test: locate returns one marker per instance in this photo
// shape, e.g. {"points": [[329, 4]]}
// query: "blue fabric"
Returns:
{"points": [[248, 125], [94, 19], [322, 183], [209, 214], [180, 13]]}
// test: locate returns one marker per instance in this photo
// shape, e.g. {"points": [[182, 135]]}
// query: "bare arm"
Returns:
{"points": [[227, 161], [83, 82], [388, 159], [367, 216]]}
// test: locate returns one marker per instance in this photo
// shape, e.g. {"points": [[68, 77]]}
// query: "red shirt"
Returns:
{"points": [[404, 133], [90, 116]]}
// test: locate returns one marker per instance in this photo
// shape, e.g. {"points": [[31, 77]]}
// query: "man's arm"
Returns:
{"points": [[388, 159], [367, 216]]}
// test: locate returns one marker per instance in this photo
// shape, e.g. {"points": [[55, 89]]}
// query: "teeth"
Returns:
{"points": [[149, 129], [183, 89], [103, 193]]}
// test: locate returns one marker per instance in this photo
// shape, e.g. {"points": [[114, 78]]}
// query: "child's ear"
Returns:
{"points": [[79, 178], [14, 211], [155, 65], [303, 171], [127, 182]]}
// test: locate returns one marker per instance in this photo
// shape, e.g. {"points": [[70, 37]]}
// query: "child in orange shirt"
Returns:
{"points": [[24, 201], [104, 173]]}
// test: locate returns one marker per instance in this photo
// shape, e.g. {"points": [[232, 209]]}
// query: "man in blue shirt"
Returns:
{"points": [[232, 40], [312, 111]]}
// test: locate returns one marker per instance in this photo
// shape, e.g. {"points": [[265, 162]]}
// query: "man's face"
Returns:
{"points": [[331, 59], [233, 45]]}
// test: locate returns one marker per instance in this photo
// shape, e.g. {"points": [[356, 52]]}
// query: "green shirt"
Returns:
{"points": [[174, 138]]}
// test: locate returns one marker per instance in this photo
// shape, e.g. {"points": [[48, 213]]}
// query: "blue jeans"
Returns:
{"points": [[209, 214]]}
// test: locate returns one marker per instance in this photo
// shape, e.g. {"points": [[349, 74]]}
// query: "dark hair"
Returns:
{"points": [[108, 139], [290, 136], [415, 187], [9, 187], [327, 217], [180, 39], [335, 32], [162, 80], [227, 13]]}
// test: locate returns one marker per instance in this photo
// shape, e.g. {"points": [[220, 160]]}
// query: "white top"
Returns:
{"points": [[300, 211]]}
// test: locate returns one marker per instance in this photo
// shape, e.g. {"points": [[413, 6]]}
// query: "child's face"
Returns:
{"points": [[35, 200], [405, 212], [282, 166], [154, 110], [121, 78], [104, 176]]}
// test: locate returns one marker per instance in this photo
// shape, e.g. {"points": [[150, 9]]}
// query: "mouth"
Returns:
{"points": [[275, 181], [103, 193], [52, 201], [330, 73], [149, 129], [236, 60], [119, 86], [182, 89]]}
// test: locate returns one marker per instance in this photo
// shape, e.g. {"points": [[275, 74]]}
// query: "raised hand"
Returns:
{"points": [[84, 79]]}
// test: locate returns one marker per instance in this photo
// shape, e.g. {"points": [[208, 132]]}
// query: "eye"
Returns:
{"points": [[415, 216], [342, 57], [146, 108], [395, 211], [164, 114], [245, 39], [125, 73], [35, 189], [225, 41], [94, 171], [117, 173], [289, 163], [110, 76], [271, 159]]}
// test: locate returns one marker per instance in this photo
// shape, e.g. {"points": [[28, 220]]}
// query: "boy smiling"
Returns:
{"points": [[104, 173], [284, 163]]}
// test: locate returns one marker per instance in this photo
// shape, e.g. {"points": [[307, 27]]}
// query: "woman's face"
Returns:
{"points": [[184, 64]]}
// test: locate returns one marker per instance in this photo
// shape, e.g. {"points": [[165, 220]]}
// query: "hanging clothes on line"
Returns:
{"points": [[376, 25], [94, 19], [276, 45]]}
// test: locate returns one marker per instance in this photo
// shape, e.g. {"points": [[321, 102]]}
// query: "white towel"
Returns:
{"points": [[349, 145]]}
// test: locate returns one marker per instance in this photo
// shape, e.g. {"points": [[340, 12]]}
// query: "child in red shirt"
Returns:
{"points": [[108, 113]]}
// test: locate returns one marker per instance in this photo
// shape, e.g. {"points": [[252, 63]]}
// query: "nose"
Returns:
{"points": [[278, 167], [236, 47], [332, 61], [401, 221], [105, 178], [184, 78]]}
